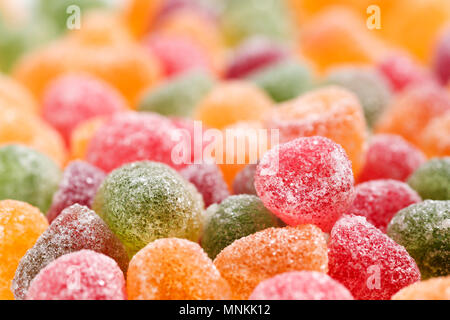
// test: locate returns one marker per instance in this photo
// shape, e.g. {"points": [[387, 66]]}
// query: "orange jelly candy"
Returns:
{"points": [[15, 95], [139, 15], [435, 141], [82, 135], [431, 289]]}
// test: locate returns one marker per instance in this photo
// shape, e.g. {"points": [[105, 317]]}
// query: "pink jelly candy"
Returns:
{"points": [[441, 61], [301, 285], [79, 184], [366, 261], [306, 180], [82, 275], [390, 156], [244, 182], [380, 200]]}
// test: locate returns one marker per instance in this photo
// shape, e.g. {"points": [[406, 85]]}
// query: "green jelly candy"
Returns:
{"points": [[284, 80], [424, 230], [179, 96], [28, 175], [235, 217], [432, 179], [144, 201]]}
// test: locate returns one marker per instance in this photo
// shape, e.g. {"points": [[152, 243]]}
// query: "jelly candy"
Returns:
{"points": [[244, 182], [441, 59], [140, 15], [432, 179], [431, 289], [82, 135], [435, 140], [15, 95]]}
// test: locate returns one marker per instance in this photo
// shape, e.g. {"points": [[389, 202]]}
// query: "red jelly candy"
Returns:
{"points": [[79, 184], [441, 61], [369, 263], [82, 275]]}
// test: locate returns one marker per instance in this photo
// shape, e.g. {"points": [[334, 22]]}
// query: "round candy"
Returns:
{"points": [[435, 140], [76, 228], [432, 179], [441, 59], [264, 254], [144, 201], [234, 218], [424, 230], [13, 94], [367, 262], [82, 135], [431, 289], [244, 182], [20, 224], [79, 184], [82, 275], [300, 285], [27, 175], [307, 180], [380, 200], [390, 156]]}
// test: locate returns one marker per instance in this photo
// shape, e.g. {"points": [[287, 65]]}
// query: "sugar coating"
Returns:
{"points": [[380, 200], [82, 275], [367, 262], [424, 230], [179, 95], [307, 180], [390, 156], [264, 254], [144, 201], [208, 180], [174, 269], [234, 218], [74, 98], [441, 57], [20, 226], [131, 136], [300, 285], [28, 175], [76, 228], [244, 181], [78, 184], [435, 141], [432, 179], [431, 289]]}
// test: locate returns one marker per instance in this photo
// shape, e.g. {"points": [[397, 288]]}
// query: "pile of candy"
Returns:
{"points": [[120, 176]]}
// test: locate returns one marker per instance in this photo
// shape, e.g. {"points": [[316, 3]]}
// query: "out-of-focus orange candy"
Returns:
{"points": [[174, 269], [139, 15], [20, 225], [431, 289], [231, 102], [82, 135], [262, 255], [332, 112], [338, 35], [435, 141], [30, 130], [15, 95]]}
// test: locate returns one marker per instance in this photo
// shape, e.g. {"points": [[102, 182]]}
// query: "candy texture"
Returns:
{"points": [[175, 269], [300, 285], [380, 200], [79, 184], [76, 228], [432, 179], [264, 254], [20, 226], [82, 275], [144, 201], [307, 180], [234, 218], [244, 182], [431, 289], [367, 262], [435, 141], [424, 230], [27, 175]]}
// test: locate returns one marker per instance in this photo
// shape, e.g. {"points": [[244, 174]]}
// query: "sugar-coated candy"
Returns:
{"points": [[389, 156], [432, 179], [73, 98], [380, 200], [76, 228], [244, 182], [175, 269], [264, 254], [284, 80], [79, 184], [21, 224], [28, 175], [14, 94], [179, 95], [307, 180], [82, 135], [424, 230], [235, 217], [81, 275], [441, 57], [367, 262], [301, 285], [144, 201], [435, 140], [332, 112], [208, 180], [431, 289]]}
